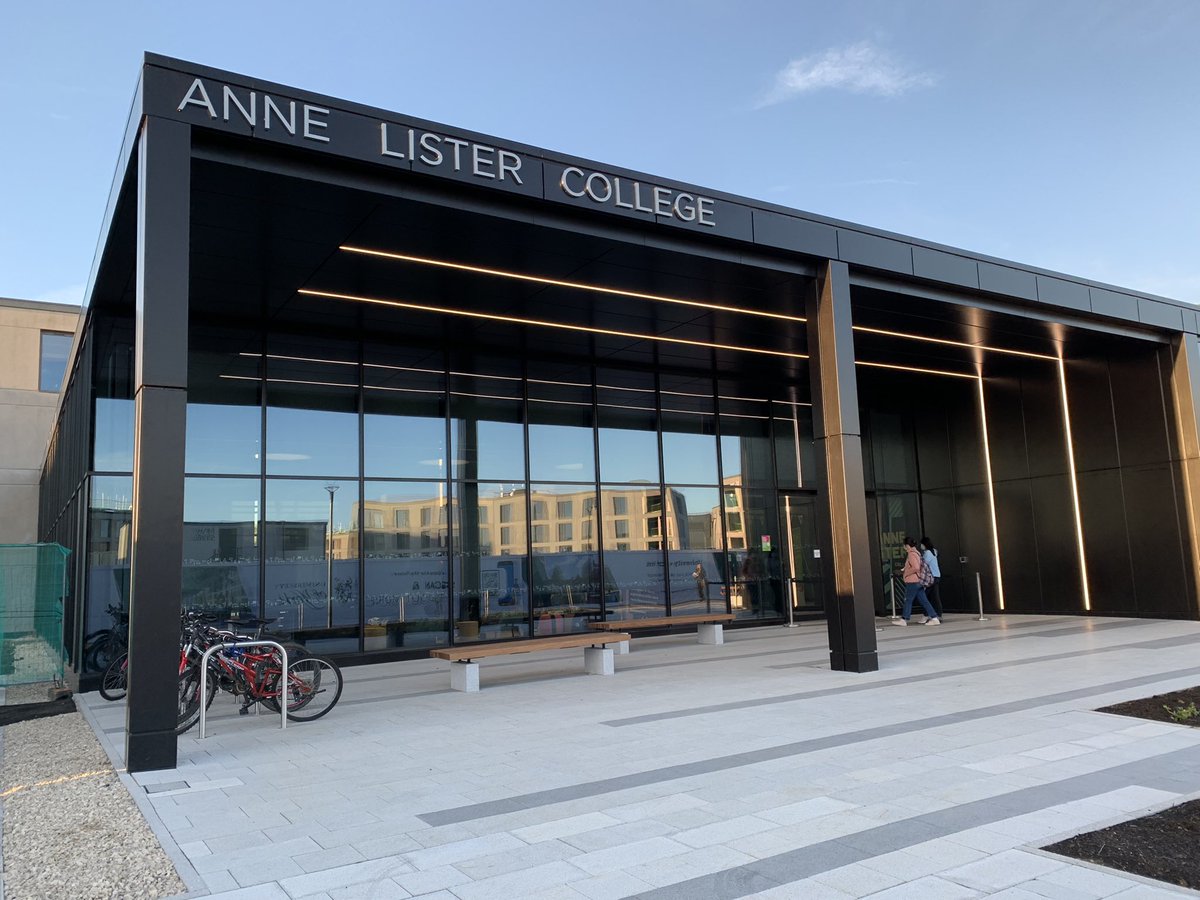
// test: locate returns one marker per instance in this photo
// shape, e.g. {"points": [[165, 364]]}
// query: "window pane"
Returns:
{"points": [[486, 431], [312, 561], [566, 573], [633, 563], [406, 591], [755, 572], [561, 437], [695, 550], [110, 539], [404, 416], [221, 530], [746, 442], [491, 584], [628, 426], [794, 449], [114, 435], [312, 416], [56, 347]]}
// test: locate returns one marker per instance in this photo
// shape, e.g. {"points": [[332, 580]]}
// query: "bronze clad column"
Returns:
{"points": [[1185, 391], [850, 605], [160, 405]]}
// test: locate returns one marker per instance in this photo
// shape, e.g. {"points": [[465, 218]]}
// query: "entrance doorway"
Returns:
{"points": [[803, 586]]}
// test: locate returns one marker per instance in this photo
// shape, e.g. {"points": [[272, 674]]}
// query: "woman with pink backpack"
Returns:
{"points": [[917, 577]]}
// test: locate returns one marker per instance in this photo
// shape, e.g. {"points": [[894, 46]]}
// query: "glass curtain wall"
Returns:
{"points": [[378, 497]]}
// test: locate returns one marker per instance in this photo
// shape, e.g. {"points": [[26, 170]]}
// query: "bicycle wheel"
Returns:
{"points": [[189, 697], [113, 683], [312, 688]]}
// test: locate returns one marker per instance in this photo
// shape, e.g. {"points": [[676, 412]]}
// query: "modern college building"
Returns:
{"points": [[400, 385]]}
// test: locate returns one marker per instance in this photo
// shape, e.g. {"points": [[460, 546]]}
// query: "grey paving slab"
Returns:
{"points": [[736, 770]]}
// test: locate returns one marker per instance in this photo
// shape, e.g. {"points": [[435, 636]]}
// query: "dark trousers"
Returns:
{"points": [[935, 595]]}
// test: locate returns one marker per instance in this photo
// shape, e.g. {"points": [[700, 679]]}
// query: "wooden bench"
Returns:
{"points": [[709, 626], [464, 674]]}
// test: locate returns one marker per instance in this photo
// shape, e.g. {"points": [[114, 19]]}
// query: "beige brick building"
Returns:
{"points": [[35, 341]]}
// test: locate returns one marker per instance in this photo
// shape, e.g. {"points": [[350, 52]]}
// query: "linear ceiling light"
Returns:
{"points": [[577, 285], [878, 365], [950, 343], [516, 320]]}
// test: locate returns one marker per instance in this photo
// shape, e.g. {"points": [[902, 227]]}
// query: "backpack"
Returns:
{"points": [[924, 574]]}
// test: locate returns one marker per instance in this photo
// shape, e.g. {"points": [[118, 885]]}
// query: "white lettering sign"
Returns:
{"points": [[612, 190], [435, 151]]}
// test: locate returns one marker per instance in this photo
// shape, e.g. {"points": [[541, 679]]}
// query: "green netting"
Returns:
{"points": [[33, 588]]}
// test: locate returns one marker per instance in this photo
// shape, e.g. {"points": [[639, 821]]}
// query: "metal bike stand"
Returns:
{"points": [[204, 677]]}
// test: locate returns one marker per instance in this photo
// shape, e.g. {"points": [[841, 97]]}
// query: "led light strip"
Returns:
{"points": [[987, 468], [1083, 573], [577, 285], [492, 317], [876, 365], [950, 343]]}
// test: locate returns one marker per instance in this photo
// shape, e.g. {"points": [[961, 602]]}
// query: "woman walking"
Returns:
{"points": [[913, 589], [934, 592]]}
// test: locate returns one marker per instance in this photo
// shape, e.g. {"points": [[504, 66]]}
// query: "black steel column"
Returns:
{"points": [[160, 399], [850, 606]]}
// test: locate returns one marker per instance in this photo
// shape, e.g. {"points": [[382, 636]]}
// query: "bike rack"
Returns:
{"points": [[204, 679]]}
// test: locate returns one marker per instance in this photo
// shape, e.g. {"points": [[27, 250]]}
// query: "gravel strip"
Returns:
{"points": [[81, 838]]}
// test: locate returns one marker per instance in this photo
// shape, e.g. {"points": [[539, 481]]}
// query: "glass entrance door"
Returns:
{"points": [[803, 584]]}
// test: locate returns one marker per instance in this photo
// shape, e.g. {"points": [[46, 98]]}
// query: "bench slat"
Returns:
{"points": [[530, 646], [623, 624]]}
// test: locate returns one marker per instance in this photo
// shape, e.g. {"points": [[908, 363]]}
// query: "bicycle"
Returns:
{"points": [[311, 687]]}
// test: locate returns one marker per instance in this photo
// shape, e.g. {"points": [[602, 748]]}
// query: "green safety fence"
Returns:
{"points": [[33, 589]]}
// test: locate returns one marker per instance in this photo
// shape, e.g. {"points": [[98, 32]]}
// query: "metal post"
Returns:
{"points": [[892, 586], [332, 488], [979, 593], [282, 678]]}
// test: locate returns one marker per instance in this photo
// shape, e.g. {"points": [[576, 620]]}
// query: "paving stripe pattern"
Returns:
{"points": [[937, 776]]}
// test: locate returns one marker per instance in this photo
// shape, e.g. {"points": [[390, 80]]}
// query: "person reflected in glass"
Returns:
{"points": [[753, 573], [913, 569], [701, 581], [930, 555]]}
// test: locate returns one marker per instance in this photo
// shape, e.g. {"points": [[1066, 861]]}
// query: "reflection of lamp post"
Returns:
{"points": [[332, 488]]}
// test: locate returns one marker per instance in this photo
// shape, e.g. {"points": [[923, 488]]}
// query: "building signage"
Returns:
{"points": [[265, 115]]}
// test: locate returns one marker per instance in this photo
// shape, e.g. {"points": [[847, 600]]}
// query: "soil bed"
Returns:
{"points": [[1166, 845], [1155, 707]]}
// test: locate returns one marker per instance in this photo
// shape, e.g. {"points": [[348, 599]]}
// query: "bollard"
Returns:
{"points": [[979, 593]]}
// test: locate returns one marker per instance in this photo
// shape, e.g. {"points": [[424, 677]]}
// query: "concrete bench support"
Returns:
{"points": [[622, 648], [598, 661], [464, 676], [711, 633]]}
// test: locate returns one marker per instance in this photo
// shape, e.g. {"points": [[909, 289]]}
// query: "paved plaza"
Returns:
{"points": [[748, 769]]}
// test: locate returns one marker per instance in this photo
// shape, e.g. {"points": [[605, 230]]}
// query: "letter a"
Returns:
{"points": [[189, 97]]}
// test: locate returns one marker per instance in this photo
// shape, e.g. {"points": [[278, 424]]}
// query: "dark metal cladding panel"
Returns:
{"points": [[947, 267], [1105, 541], [933, 443], [1006, 280], [1164, 315], [1093, 425], [733, 220], [966, 437], [1057, 547], [1006, 428], [790, 233], [1139, 410], [1191, 321], [875, 252], [975, 543], [1160, 584], [1018, 546], [940, 520], [1070, 294], [1111, 303], [1045, 431]]}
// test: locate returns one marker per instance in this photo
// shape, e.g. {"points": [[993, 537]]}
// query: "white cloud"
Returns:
{"points": [[859, 68], [72, 293]]}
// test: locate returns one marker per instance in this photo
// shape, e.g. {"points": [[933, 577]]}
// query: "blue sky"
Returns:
{"points": [[1059, 133]]}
